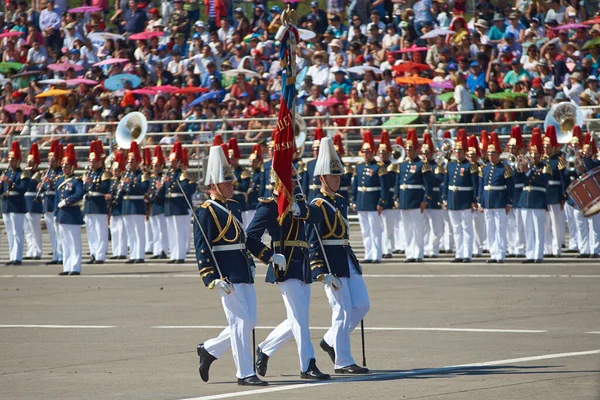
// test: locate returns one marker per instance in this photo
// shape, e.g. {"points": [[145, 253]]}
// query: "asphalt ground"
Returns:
{"points": [[436, 330]]}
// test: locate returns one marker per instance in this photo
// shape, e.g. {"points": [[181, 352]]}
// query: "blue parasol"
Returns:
{"points": [[117, 82]]}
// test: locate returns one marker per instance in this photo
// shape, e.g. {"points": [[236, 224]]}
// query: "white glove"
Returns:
{"points": [[253, 272], [278, 261], [62, 203], [332, 281], [295, 209], [221, 286]]}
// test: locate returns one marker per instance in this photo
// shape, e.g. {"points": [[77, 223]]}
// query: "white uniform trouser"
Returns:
{"points": [[516, 232], [134, 226], [13, 223], [52, 228], [296, 297], [413, 223], [588, 232], [496, 229], [71, 235], [555, 229], [118, 235], [348, 305], [570, 218], [247, 217], [399, 240], [462, 228], [371, 230], [479, 234], [187, 232], [534, 220], [96, 226], [240, 310], [33, 234], [160, 238], [149, 236], [434, 231], [388, 219], [448, 241], [177, 227]]}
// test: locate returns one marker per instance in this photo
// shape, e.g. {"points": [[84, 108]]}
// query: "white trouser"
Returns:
{"points": [[160, 234], [71, 242], [371, 230], [399, 240], [479, 235], [247, 217], [434, 231], [13, 223], [570, 218], [413, 223], [177, 227], [448, 241], [462, 227], [240, 310], [588, 232], [594, 227], [388, 218], [516, 232], [535, 220], [96, 226], [495, 224], [52, 228], [296, 297], [118, 235], [555, 229], [134, 226], [149, 236], [33, 234], [187, 232], [349, 305]]}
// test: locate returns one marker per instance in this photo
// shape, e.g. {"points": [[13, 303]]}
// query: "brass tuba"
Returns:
{"points": [[398, 154], [564, 117], [132, 128]]}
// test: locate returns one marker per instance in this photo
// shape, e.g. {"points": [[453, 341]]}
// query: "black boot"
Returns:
{"points": [[328, 349], [205, 360], [92, 260], [313, 372], [262, 361], [352, 369], [252, 381], [163, 256]]}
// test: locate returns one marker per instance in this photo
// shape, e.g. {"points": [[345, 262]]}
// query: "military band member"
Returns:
{"points": [[241, 186], [496, 191], [47, 190], [459, 197], [255, 183], [572, 174], [369, 196], [413, 193], [399, 239], [34, 206], [157, 200], [69, 193], [333, 262], [310, 182], [447, 245], [534, 200], [474, 156], [434, 225], [135, 185], [147, 171], [226, 266], [516, 237], [12, 190], [114, 198], [346, 182], [388, 214], [556, 195]]}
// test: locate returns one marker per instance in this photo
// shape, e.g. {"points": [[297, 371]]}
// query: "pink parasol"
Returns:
{"points": [[191, 89], [569, 26], [110, 61], [10, 34], [85, 9], [327, 103], [412, 49], [146, 35], [64, 67], [442, 85], [13, 108], [148, 91], [166, 89], [79, 81]]}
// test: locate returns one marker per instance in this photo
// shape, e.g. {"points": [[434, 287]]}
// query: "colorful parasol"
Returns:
{"points": [[166, 89], [53, 92], [447, 84], [117, 82], [64, 67], [413, 80], [85, 9], [591, 43], [13, 108], [410, 66], [401, 120], [52, 81], [412, 49], [146, 91], [191, 89], [437, 32], [79, 81], [110, 61], [237, 71], [305, 34], [569, 26], [8, 66], [146, 35], [10, 34]]}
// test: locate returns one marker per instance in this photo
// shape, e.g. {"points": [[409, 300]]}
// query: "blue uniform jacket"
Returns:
{"points": [[33, 203], [370, 186], [311, 184], [414, 183], [157, 197], [70, 189], [117, 203], [435, 203], [460, 185], [536, 183], [391, 174], [496, 186], [176, 203], [222, 225], [134, 192], [333, 229], [519, 181], [95, 203], [49, 189], [12, 192], [557, 184], [266, 189], [346, 182], [254, 190], [294, 231], [241, 187]]}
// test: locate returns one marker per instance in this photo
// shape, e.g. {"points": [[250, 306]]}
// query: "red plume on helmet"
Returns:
{"points": [[385, 145], [399, 140], [60, 151], [176, 152], [256, 153], [226, 151], [461, 142], [34, 154], [577, 136], [53, 153], [447, 135], [550, 136], [339, 144], [474, 146], [15, 151], [234, 149], [147, 156], [428, 146], [516, 138], [119, 161], [494, 145], [368, 142], [318, 136], [485, 140], [93, 151], [159, 156], [218, 140], [589, 142], [535, 143], [185, 160], [70, 157], [100, 149], [134, 152], [412, 140]]}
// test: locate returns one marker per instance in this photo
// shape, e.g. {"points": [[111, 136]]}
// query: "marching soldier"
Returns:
{"points": [[571, 175], [448, 239], [12, 190], [434, 224], [515, 227], [413, 193], [496, 190], [267, 187], [255, 182], [147, 171], [474, 156], [118, 234], [556, 195], [190, 190], [459, 197], [310, 182], [135, 185], [69, 193], [226, 266], [34, 206], [346, 182], [157, 200], [96, 185], [47, 189], [369, 195], [241, 186], [399, 239], [388, 214], [333, 262], [288, 267]]}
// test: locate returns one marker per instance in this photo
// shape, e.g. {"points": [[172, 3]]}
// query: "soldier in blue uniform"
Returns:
{"points": [[333, 262], [13, 204], [47, 191], [96, 185], [267, 187], [370, 196], [293, 279], [515, 227], [115, 200], [434, 224], [346, 181], [413, 192], [241, 186], [556, 195], [255, 182], [496, 191], [460, 198], [135, 186], [534, 200], [34, 206], [571, 174], [69, 193], [475, 155], [388, 214], [310, 183], [226, 266], [157, 199]]}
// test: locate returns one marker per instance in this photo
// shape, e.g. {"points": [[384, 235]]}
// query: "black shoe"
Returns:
{"points": [[570, 251], [64, 273], [74, 273], [352, 369], [477, 255], [99, 262], [549, 255], [114, 258], [328, 349], [122, 258], [410, 260], [396, 252], [252, 381], [583, 256], [163, 256], [491, 261], [366, 261], [205, 360], [511, 256], [313, 372], [180, 262], [386, 256], [539, 261], [27, 258], [154, 257], [139, 261], [434, 256], [456, 260], [500, 261], [376, 262], [171, 261], [466, 260], [130, 261], [18, 262], [528, 261], [148, 253], [91, 261], [419, 260], [53, 262], [37, 258], [262, 361], [443, 251], [9, 263]]}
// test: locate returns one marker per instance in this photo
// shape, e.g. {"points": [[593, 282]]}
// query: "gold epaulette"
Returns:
{"points": [[480, 173], [425, 168], [382, 170], [437, 170], [25, 174], [37, 176], [348, 169], [339, 195], [474, 169], [245, 174], [547, 169], [185, 176], [232, 201], [206, 204], [318, 202], [145, 177], [561, 164], [265, 200], [106, 176], [393, 168], [507, 171]]}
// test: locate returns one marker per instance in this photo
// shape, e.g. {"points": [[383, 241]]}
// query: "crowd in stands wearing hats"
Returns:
{"points": [[363, 62]]}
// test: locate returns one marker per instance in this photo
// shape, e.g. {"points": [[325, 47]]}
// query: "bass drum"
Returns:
{"points": [[585, 192]]}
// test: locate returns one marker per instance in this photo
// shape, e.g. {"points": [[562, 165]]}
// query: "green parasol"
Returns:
{"points": [[401, 120], [591, 43], [10, 65]]}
